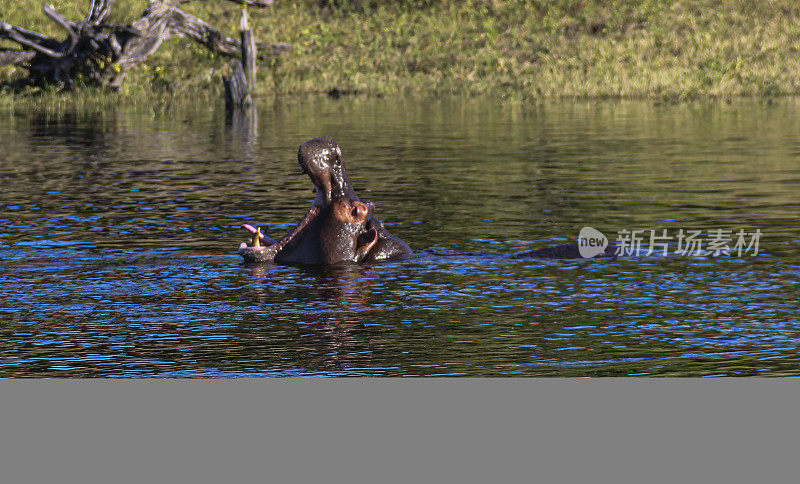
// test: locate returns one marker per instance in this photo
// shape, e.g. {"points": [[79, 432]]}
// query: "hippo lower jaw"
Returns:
{"points": [[264, 249], [260, 249]]}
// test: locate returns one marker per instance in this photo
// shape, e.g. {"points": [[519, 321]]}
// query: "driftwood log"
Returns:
{"points": [[241, 84], [100, 53]]}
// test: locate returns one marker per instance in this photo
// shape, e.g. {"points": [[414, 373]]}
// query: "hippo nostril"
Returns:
{"points": [[360, 211]]}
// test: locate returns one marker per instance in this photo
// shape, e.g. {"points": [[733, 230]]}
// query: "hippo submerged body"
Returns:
{"points": [[340, 228]]}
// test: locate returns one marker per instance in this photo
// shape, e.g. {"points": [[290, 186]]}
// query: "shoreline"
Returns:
{"points": [[517, 51], [91, 100]]}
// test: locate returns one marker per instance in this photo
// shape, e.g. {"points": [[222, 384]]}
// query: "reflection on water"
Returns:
{"points": [[118, 235]]}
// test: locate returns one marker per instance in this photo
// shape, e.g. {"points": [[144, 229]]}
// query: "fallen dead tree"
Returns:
{"points": [[100, 53]]}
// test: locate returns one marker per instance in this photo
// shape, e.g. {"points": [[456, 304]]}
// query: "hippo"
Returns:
{"points": [[338, 228]]}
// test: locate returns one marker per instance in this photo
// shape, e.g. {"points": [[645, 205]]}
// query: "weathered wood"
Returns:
{"points": [[56, 17], [236, 92], [213, 39], [103, 52], [240, 86], [98, 11], [30, 40], [32, 36], [248, 44]]}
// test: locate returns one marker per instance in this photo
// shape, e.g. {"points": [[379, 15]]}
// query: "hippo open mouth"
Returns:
{"points": [[338, 228], [261, 248]]}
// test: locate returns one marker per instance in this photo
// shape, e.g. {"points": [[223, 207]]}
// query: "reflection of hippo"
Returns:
{"points": [[338, 227]]}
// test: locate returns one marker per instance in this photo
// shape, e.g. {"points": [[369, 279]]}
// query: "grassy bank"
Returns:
{"points": [[517, 49]]}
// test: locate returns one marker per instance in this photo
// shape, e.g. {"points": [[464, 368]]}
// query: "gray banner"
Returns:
{"points": [[391, 430]]}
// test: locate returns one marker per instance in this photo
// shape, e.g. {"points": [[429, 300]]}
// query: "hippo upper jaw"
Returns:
{"points": [[321, 159]]}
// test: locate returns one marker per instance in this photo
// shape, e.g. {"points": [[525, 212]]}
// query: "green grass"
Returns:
{"points": [[516, 49]]}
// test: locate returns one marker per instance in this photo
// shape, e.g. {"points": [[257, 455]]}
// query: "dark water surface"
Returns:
{"points": [[119, 230]]}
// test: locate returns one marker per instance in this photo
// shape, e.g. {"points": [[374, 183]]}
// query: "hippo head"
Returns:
{"points": [[338, 228]]}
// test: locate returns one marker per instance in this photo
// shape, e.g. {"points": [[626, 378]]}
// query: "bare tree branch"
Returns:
{"points": [[199, 31], [104, 52], [192, 27], [56, 17], [98, 11], [21, 37], [28, 35]]}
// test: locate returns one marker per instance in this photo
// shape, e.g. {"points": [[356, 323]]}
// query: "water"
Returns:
{"points": [[118, 235]]}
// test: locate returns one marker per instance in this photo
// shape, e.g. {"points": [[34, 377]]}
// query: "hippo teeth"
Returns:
{"points": [[258, 239]]}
